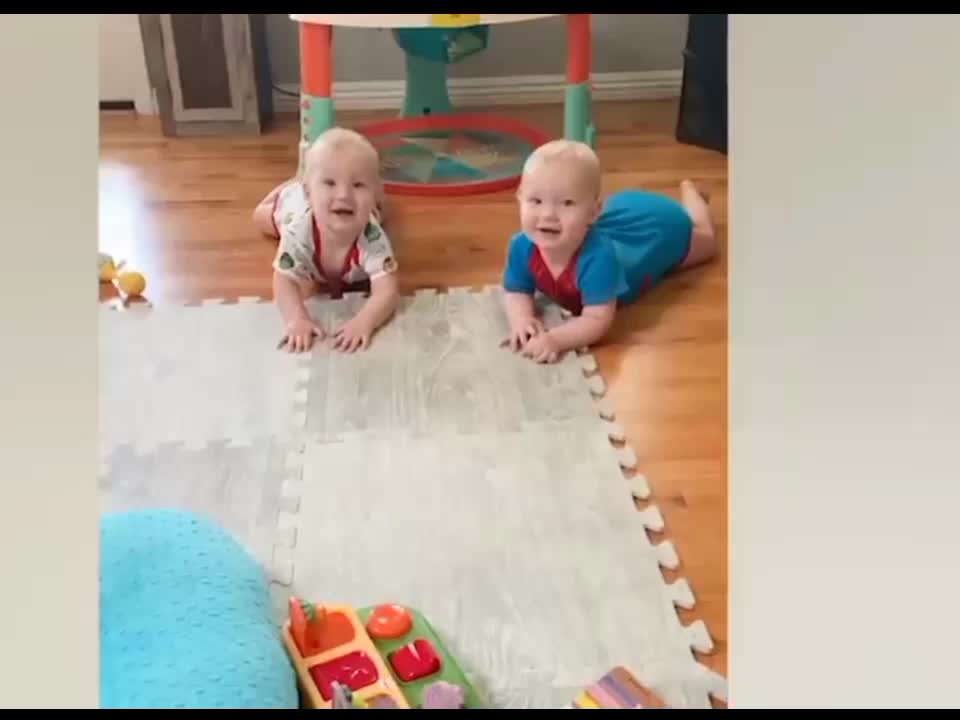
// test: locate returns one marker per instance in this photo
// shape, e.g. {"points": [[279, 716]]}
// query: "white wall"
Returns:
{"points": [[123, 69]]}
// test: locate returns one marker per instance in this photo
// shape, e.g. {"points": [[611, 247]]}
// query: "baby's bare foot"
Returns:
{"points": [[699, 189]]}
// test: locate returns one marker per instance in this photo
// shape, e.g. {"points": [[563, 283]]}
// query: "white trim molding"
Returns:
{"points": [[492, 91], [123, 66]]}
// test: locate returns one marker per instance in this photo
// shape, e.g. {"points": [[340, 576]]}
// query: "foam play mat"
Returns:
{"points": [[436, 470]]}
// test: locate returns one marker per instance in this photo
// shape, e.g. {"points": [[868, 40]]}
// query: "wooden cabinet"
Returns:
{"points": [[210, 72]]}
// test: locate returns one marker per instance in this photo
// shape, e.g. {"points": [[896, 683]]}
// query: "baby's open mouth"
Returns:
{"points": [[549, 231], [343, 212]]}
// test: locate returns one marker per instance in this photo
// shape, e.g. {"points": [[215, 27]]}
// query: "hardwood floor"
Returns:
{"points": [[179, 211]]}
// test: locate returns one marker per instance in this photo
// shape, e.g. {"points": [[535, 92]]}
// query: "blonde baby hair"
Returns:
{"points": [[568, 153], [337, 139]]}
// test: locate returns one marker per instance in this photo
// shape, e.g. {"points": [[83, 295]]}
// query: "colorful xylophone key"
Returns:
{"points": [[618, 689]]}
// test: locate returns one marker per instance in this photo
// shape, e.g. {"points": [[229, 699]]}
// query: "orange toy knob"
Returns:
{"points": [[388, 622]]}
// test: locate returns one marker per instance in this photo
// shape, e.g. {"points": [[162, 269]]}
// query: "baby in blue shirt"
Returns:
{"points": [[588, 256]]}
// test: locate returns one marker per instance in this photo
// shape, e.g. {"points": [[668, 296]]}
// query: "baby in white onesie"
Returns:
{"points": [[331, 238]]}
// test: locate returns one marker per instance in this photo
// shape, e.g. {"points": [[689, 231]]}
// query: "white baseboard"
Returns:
{"points": [[511, 90]]}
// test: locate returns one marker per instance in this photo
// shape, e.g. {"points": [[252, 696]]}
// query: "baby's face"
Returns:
{"points": [[557, 206], [343, 191]]}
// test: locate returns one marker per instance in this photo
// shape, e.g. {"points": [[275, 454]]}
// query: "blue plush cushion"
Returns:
{"points": [[186, 618]]}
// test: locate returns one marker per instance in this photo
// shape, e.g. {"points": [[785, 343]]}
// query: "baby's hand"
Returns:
{"points": [[523, 331], [300, 335], [542, 348], [353, 335]]}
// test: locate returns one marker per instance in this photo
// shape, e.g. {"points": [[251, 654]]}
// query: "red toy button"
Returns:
{"points": [[355, 670], [415, 661]]}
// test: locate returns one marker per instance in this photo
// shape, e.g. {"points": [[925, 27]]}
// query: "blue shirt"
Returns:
{"points": [[638, 238], [594, 276]]}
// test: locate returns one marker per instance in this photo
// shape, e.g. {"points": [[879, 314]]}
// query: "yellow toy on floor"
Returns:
{"points": [[129, 283]]}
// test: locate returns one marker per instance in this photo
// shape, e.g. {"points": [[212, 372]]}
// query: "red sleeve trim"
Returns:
{"points": [[273, 213]]}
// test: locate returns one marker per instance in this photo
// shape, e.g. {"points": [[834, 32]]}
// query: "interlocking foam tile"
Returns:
{"points": [[437, 367], [437, 470], [244, 489], [194, 376], [446, 473]]}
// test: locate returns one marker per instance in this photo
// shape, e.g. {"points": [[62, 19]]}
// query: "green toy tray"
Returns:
{"points": [[450, 671]]}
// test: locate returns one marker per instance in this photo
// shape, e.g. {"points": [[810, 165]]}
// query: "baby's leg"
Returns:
{"points": [[703, 238], [263, 213]]}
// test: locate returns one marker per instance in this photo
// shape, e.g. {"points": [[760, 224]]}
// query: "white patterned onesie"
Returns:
{"points": [[298, 251]]}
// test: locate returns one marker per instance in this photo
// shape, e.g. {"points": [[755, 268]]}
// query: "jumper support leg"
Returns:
{"points": [[578, 113], [316, 84], [426, 88]]}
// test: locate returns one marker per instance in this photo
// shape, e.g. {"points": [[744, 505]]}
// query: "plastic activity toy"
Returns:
{"points": [[433, 149], [387, 656], [619, 689]]}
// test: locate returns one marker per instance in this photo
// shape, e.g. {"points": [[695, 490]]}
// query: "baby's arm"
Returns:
{"points": [[300, 329], [522, 317], [293, 281], [384, 298], [519, 287], [600, 280], [377, 259], [578, 332]]}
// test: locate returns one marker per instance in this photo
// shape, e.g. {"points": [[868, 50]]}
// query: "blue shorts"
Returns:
{"points": [[651, 234]]}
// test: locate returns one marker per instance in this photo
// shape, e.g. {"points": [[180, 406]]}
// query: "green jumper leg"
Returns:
{"points": [[316, 117], [426, 88], [578, 113]]}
